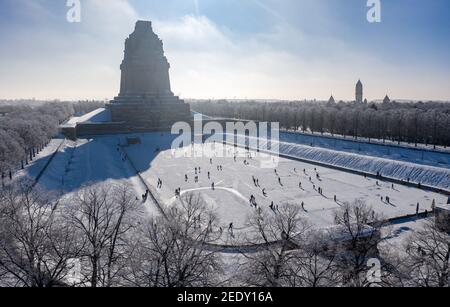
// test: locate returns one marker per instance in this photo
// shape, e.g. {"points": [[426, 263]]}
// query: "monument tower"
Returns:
{"points": [[145, 101]]}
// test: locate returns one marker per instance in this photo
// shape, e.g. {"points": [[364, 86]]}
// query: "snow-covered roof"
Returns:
{"points": [[100, 115]]}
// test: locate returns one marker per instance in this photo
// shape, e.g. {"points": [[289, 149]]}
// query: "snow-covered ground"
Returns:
{"points": [[234, 184], [89, 161], [420, 155], [426, 175], [39, 162], [372, 141]]}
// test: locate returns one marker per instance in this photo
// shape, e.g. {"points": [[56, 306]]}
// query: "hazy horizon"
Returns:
{"points": [[254, 49]]}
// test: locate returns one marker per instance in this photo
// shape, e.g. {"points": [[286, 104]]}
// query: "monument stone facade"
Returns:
{"points": [[146, 101]]}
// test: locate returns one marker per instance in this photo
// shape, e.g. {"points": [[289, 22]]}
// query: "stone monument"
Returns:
{"points": [[145, 101]]}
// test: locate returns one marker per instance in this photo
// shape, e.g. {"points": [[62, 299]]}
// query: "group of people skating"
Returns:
{"points": [[256, 182]]}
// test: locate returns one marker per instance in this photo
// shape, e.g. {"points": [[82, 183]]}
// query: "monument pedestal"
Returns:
{"points": [[152, 113]]}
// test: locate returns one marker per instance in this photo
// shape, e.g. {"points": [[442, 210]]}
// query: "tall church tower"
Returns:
{"points": [[359, 92]]}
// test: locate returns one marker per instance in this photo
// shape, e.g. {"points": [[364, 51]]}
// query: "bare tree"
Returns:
{"points": [[272, 233], [104, 215], [176, 250], [411, 122], [311, 265], [427, 263], [36, 246], [357, 235]]}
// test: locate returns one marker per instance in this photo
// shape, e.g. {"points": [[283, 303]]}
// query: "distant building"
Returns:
{"points": [[331, 100], [359, 92], [386, 99]]}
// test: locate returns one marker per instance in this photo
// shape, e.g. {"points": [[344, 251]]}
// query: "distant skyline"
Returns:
{"points": [[247, 49]]}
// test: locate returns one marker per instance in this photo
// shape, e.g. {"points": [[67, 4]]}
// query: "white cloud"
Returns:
{"points": [[207, 60]]}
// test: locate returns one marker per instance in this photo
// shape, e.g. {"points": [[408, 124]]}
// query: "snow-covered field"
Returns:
{"points": [[89, 161], [433, 176], [422, 154], [234, 185]]}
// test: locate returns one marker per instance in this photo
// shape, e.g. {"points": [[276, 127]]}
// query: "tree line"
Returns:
{"points": [[25, 129], [413, 122], [100, 236]]}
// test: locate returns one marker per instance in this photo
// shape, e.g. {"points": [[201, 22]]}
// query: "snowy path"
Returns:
{"points": [[172, 200], [40, 163]]}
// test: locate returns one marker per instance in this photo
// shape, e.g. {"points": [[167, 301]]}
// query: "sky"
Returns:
{"points": [[246, 49]]}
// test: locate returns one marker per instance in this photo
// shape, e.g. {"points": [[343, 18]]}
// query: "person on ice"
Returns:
{"points": [[264, 192], [253, 201], [186, 178], [213, 187]]}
